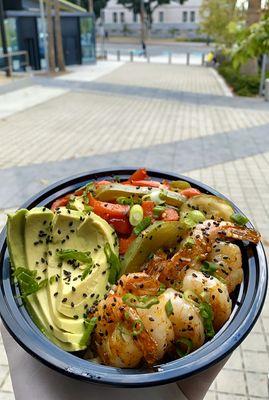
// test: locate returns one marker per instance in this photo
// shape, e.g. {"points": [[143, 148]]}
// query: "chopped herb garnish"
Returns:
{"points": [[140, 301], [239, 219], [169, 308], [186, 343], [89, 327], [72, 254], [142, 225], [114, 262]]}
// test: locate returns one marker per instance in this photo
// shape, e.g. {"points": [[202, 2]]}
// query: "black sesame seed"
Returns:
{"points": [[64, 300]]}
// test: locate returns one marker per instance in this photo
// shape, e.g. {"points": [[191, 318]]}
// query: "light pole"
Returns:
{"points": [[4, 38], [44, 32]]}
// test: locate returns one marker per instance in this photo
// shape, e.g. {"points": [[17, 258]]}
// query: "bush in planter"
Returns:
{"points": [[243, 85]]}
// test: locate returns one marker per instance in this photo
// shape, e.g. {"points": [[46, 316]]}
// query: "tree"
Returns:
{"points": [[58, 34], [96, 5], [253, 16], [216, 19], [51, 45]]}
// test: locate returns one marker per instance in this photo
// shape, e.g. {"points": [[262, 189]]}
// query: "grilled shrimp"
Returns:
{"points": [[185, 318], [125, 335], [229, 260], [214, 291], [196, 248], [119, 338]]}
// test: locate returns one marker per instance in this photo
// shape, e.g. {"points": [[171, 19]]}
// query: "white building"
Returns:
{"points": [[168, 20]]}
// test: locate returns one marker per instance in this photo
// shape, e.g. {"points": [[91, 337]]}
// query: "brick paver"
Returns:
{"points": [[87, 128]]}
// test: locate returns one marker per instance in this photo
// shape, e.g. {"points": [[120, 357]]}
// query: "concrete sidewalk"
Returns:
{"points": [[169, 117]]}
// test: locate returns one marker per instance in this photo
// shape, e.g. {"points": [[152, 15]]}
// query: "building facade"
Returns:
{"points": [[169, 20], [23, 27]]}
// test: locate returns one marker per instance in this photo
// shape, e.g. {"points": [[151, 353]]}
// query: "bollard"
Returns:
{"points": [[118, 55], [266, 92], [203, 59], [105, 54], [131, 56], [148, 58], [188, 58], [169, 58]]}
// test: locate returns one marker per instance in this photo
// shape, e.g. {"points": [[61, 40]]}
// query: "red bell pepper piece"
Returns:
{"points": [[61, 202], [108, 210], [170, 215], [190, 192], [121, 225], [125, 243], [148, 208]]}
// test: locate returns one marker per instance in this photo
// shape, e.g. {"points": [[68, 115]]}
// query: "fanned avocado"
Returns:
{"points": [[62, 288]]}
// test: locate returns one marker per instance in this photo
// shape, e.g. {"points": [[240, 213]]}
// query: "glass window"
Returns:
{"points": [[87, 39], [161, 16], [185, 16], [11, 35], [192, 16], [115, 17], [134, 17], [122, 19]]}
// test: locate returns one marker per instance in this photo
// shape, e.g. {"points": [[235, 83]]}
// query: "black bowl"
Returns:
{"points": [[247, 307]]}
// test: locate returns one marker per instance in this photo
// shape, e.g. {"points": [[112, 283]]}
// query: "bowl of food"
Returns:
{"points": [[130, 277]]}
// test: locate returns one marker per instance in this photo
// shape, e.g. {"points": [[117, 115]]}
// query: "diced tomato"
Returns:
{"points": [[121, 225], [125, 243], [100, 183], [190, 192], [79, 192], [170, 215], [107, 210], [148, 208], [138, 175], [63, 201], [145, 183]]}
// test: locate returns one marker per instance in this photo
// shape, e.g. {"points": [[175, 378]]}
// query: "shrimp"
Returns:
{"points": [[116, 336], [216, 294], [196, 248], [185, 318], [229, 259]]}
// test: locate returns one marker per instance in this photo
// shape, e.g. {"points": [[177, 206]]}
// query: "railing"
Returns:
{"points": [[8, 61], [187, 58]]}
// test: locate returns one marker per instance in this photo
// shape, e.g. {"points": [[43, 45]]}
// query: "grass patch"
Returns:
{"points": [[243, 85]]}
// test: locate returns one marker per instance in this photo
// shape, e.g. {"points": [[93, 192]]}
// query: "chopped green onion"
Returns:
{"points": [[139, 301], [72, 254], [189, 242], [86, 271], [169, 308], [187, 343], [89, 327], [122, 329], [207, 315], [27, 281], [158, 210], [193, 218], [139, 329], [114, 262], [239, 219], [87, 209], [136, 215], [142, 225], [179, 185], [209, 267], [162, 289], [156, 195], [125, 200]]}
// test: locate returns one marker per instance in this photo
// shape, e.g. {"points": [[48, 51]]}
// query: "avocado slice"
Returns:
{"points": [[16, 247], [84, 233], [37, 232], [156, 236], [114, 190]]}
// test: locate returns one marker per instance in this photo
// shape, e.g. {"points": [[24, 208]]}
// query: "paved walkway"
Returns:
{"points": [[172, 117]]}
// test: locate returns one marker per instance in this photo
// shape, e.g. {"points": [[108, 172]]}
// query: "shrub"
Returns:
{"points": [[242, 85]]}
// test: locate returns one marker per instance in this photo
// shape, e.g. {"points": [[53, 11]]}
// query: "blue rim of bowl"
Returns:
{"points": [[248, 306]]}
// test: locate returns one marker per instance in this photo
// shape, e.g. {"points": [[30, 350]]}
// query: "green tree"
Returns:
{"points": [[97, 5], [217, 19]]}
